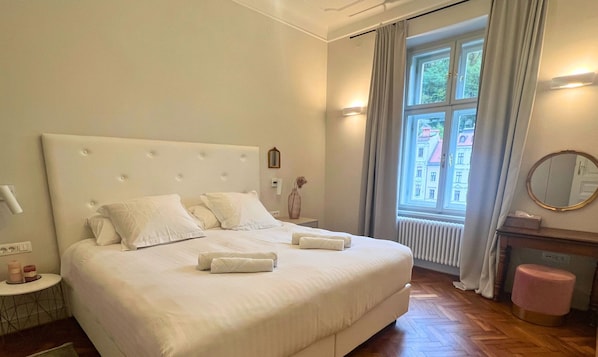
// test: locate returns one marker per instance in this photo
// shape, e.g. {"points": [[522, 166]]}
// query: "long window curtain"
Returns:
{"points": [[507, 91], [378, 208]]}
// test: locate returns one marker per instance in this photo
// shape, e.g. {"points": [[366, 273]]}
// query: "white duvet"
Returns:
{"points": [[154, 302]]}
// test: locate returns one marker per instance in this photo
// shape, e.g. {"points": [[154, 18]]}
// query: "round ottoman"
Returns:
{"points": [[542, 295]]}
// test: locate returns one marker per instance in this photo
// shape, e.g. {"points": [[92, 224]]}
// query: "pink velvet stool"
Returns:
{"points": [[542, 295]]}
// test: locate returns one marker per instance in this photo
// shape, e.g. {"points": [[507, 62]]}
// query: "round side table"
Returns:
{"points": [[37, 301]]}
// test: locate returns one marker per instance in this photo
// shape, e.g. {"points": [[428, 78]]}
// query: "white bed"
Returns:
{"points": [[154, 302]]}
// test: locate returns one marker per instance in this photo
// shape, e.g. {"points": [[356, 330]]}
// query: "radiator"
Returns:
{"points": [[433, 241]]}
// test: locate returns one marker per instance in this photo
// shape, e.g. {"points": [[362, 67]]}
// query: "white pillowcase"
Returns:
{"points": [[152, 220], [204, 216], [103, 230], [239, 211]]}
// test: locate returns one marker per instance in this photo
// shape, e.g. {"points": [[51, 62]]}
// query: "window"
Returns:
{"points": [[439, 122]]}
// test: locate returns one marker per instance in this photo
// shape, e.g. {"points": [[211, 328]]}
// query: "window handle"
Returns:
{"points": [[442, 160]]}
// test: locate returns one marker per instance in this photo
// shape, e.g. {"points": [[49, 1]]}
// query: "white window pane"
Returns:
{"points": [[459, 158], [429, 77], [422, 158], [468, 75]]}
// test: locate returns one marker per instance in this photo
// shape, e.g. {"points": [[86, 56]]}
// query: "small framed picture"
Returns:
{"points": [[273, 158]]}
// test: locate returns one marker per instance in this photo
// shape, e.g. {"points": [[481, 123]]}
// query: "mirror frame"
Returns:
{"points": [[274, 158], [557, 208]]}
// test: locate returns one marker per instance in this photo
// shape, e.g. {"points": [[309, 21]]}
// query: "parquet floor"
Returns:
{"points": [[442, 321]]}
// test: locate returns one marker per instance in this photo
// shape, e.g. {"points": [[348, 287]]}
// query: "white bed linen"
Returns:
{"points": [[156, 303]]}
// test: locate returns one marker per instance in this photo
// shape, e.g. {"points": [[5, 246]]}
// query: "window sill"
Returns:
{"points": [[432, 216]]}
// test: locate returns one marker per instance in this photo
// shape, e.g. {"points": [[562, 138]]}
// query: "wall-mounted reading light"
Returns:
{"points": [[573, 81], [353, 111], [7, 195]]}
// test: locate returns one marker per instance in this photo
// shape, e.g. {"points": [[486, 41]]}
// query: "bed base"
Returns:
{"points": [[336, 345]]}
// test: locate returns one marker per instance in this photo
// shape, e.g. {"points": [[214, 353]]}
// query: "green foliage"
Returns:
{"points": [[472, 74], [434, 79]]}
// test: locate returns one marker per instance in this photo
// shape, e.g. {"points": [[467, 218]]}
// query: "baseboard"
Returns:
{"points": [[441, 268]]}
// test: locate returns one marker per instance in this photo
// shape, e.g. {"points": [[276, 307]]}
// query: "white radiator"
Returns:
{"points": [[433, 241]]}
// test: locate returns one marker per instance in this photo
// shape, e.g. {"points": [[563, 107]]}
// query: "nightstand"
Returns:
{"points": [[302, 221], [24, 305]]}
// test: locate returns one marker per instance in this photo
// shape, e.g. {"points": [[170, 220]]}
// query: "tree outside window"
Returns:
{"points": [[441, 90]]}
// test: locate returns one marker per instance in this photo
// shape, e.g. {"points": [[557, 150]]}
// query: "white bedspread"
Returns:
{"points": [[155, 302]]}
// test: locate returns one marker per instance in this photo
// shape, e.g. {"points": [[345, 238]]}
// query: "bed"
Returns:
{"points": [[154, 301]]}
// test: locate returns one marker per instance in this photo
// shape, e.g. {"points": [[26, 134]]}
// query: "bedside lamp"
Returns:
{"points": [[7, 195]]}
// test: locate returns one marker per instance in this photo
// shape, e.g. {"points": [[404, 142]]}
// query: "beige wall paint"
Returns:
{"points": [[564, 119], [567, 118], [349, 75], [349, 72], [206, 71]]}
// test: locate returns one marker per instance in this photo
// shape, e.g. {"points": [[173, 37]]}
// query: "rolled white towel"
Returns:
{"points": [[241, 265], [204, 260], [298, 235], [321, 243]]}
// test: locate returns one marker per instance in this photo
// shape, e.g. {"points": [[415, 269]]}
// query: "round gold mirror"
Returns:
{"points": [[563, 181]]}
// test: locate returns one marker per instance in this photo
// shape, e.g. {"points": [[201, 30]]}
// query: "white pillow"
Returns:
{"points": [[204, 216], [103, 230], [239, 211], [152, 220]]}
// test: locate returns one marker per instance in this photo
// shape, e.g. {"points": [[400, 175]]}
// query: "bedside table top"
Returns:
{"points": [[46, 281], [299, 221]]}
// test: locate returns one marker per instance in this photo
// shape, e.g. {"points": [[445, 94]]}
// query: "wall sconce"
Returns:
{"points": [[353, 111], [573, 81], [7, 195]]}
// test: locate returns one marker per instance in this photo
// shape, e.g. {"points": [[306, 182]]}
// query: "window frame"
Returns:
{"points": [[450, 107]]}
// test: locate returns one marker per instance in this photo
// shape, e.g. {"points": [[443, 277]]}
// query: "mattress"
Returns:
{"points": [[154, 301]]}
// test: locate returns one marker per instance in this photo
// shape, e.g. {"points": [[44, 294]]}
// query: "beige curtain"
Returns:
{"points": [[509, 76], [378, 208]]}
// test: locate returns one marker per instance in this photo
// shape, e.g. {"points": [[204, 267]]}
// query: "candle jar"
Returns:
{"points": [[15, 275], [30, 273]]}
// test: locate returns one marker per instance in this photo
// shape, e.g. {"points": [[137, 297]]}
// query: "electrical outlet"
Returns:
{"points": [[275, 213], [557, 258], [15, 248]]}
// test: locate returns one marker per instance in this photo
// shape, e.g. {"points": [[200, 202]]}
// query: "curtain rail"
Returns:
{"points": [[411, 18]]}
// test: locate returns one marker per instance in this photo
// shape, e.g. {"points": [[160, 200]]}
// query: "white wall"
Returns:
{"points": [[207, 71]]}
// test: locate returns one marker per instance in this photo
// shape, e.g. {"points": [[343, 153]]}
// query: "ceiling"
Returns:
{"points": [[330, 20]]}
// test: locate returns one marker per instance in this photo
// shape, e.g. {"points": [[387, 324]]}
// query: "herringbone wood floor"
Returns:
{"points": [[442, 321]]}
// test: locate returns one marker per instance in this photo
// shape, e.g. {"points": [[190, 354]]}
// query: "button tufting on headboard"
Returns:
{"points": [[174, 168]]}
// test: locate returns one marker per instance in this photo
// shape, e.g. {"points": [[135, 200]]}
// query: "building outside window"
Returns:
{"points": [[439, 122]]}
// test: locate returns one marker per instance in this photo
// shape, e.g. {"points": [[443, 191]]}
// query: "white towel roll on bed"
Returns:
{"points": [[241, 265], [298, 235], [321, 243], [204, 260]]}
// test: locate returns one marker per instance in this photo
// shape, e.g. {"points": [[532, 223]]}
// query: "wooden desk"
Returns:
{"points": [[550, 239]]}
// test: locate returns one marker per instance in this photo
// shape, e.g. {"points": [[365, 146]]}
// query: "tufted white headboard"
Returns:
{"points": [[85, 172]]}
